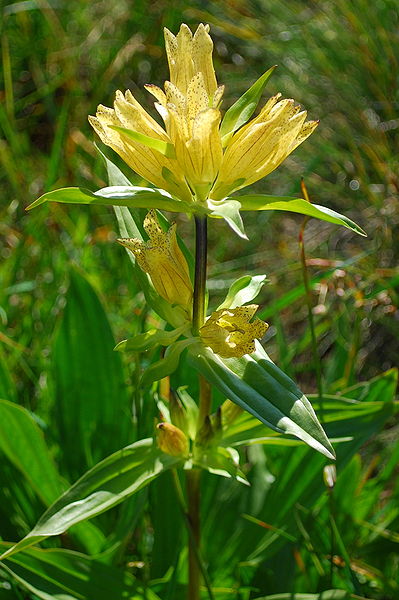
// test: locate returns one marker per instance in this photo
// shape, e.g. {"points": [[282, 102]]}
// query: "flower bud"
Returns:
{"points": [[178, 413], [172, 440]]}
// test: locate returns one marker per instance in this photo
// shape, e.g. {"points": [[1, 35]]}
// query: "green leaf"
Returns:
{"points": [[221, 461], [327, 595], [164, 148], [131, 196], [167, 533], [379, 388], [297, 205], [191, 410], [114, 174], [91, 404], [23, 443], [150, 339], [229, 210], [7, 387], [65, 575], [107, 484], [345, 420], [244, 107], [256, 384], [243, 290], [167, 365]]}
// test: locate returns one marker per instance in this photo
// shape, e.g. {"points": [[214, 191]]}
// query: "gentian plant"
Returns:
{"points": [[195, 161]]}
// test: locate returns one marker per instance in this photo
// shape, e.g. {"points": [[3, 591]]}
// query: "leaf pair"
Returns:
{"points": [[228, 209]]}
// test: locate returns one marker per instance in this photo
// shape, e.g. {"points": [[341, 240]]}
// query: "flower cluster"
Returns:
{"points": [[190, 158]]}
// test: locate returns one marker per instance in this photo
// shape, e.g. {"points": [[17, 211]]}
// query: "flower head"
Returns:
{"points": [[163, 260], [230, 334], [188, 157]]}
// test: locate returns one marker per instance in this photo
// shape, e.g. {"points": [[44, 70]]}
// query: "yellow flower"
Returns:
{"points": [[163, 260], [188, 158], [261, 145], [230, 334], [148, 162], [172, 440]]}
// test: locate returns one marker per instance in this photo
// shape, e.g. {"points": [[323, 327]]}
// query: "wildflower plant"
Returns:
{"points": [[195, 161]]}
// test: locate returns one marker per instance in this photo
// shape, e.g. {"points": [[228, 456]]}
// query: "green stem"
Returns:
{"points": [[200, 272], [193, 516], [184, 509], [205, 401], [193, 476]]}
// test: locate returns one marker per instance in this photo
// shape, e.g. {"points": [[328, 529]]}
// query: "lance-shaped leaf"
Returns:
{"points": [[107, 484], [297, 205], [130, 196], [244, 107], [243, 290], [229, 210], [256, 384], [58, 574], [327, 595], [150, 339]]}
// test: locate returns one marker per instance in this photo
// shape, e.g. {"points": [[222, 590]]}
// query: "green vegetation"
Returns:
{"points": [[68, 294]]}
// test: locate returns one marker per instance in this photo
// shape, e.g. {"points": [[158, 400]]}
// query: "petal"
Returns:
{"points": [[179, 51], [197, 97], [156, 92], [261, 145], [202, 154], [153, 229], [202, 48], [132, 116], [145, 161]]}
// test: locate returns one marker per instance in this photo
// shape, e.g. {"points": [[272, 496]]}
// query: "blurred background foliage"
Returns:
{"points": [[59, 61]]}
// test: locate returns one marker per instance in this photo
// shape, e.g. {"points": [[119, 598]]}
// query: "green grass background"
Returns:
{"points": [[61, 59]]}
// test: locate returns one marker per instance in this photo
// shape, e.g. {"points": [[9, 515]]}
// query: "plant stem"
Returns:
{"points": [[200, 272], [205, 401], [193, 514], [183, 506], [193, 476]]}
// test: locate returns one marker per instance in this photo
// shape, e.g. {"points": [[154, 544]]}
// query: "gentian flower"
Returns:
{"points": [[163, 260], [193, 157], [229, 332]]}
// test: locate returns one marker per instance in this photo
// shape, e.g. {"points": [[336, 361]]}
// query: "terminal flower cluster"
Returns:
{"points": [[189, 157]]}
